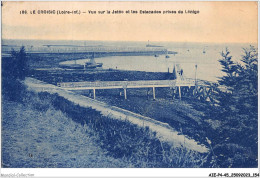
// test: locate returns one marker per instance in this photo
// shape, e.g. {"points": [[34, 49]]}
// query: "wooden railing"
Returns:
{"points": [[126, 84]]}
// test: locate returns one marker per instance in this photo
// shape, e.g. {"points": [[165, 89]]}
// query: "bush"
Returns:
{"points": [[236, 140], [14, 70]]}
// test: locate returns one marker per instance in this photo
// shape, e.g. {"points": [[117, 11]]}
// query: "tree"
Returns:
{"points": [[19, 63], [240, 83], [238, 105], [14, 70]]}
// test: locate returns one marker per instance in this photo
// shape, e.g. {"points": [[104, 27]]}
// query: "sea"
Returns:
{"points": [[198, 60]]}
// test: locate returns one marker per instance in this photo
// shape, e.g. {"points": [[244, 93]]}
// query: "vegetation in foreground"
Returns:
{"points": [[137, 147], [121, 139], [235, 140], [231, 121], [33, 137], [46, 130], [229, 124]]}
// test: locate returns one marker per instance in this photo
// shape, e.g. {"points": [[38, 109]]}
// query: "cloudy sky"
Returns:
{"points": [[216, 22]]}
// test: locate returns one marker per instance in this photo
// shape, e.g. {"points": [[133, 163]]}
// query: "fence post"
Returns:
{"points": [[125, 93], [180, 92], [94, 93], [154, 93]]}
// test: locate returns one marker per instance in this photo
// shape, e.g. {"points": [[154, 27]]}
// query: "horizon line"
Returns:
{"points": [[132, 41]]}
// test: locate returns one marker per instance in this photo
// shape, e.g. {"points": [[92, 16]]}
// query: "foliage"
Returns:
{"points": [[35, 135], [121, 139], [237, 109], [14, 70], [18, 64]]}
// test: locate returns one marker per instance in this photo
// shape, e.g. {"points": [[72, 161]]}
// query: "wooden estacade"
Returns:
{"points": [[125, 84], [180, 88]]}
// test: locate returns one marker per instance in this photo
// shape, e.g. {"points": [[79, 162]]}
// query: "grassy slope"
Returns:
{"points": [[181, 115], [32, 138]]}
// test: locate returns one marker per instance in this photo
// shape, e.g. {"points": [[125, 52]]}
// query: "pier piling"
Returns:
{"points": [[125, 93], [180, 92], [94, 93], [153, 93], [179, 88]]}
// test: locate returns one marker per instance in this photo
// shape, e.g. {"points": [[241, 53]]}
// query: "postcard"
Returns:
{"points": [[129, 84]]}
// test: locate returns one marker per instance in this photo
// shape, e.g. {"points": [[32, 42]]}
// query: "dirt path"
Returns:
{"points": [[164, 131], [180, 115]]}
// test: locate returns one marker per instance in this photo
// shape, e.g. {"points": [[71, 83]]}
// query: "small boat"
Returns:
{"points": [[166, 55], [89, 65], [72, 66], [99, 64], [92, 64]]}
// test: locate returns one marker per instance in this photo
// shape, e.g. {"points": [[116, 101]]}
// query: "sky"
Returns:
{"points": [[218, 22]]}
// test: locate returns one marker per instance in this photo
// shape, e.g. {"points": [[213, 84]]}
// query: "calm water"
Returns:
{"points": [[189, 54]]}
